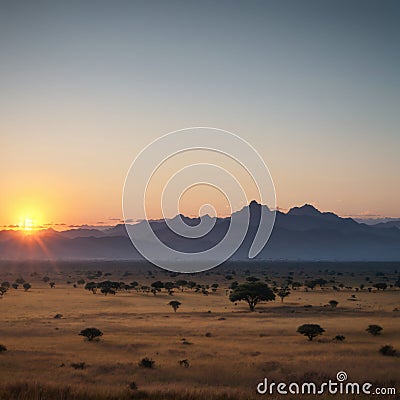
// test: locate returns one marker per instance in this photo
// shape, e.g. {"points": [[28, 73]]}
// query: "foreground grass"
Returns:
{"points": [[35, 391]]}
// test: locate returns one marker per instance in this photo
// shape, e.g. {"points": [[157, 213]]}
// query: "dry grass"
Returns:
{"points": [[243, 347]]}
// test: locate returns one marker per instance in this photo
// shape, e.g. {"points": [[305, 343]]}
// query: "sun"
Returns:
{"points": [[28, 224]]}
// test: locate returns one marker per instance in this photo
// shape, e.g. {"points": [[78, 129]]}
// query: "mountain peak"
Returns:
{"points": [[305, 210]]}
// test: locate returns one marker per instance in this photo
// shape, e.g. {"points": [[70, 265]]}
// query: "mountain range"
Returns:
{"points": [[302, 234]]}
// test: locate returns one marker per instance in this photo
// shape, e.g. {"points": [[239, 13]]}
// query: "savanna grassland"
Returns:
{"points": [[228, 349]]}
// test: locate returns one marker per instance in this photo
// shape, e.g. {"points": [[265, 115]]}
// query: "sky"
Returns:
{"points": [[86, 85]]}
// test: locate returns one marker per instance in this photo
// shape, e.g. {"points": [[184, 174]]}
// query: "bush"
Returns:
{"points": [[91, 333], [339, 338], [184, 363], [374, 330], [2, 348], [80, 365], [26, 286], [333, 303], [133, 386], [146, 363], [388, 350]]}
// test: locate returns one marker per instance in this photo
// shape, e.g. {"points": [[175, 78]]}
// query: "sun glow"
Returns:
{"points": [[28, 224]]}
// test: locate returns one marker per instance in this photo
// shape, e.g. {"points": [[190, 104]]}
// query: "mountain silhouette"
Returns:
{"points": [[303, 233]]}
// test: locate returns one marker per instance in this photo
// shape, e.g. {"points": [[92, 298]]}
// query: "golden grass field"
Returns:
{"points": [[239, 350]]}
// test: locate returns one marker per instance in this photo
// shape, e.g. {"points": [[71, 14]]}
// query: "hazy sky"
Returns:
{"points": [[85, 85]]}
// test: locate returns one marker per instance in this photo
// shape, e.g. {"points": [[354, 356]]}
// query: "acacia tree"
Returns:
{"points": [[157, 286], [310, 330], [252, 293], [91, 333], [174, 304], [333, 303], [282, 292], [380, 286]]}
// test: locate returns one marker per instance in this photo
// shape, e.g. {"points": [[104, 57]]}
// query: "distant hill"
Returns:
{"points": [[389, 224], [303, 233]]}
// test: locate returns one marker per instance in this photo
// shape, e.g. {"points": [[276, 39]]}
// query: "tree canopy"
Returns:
{"points": [[253, 293]]}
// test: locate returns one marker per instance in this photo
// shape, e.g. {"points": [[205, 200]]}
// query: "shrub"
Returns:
{"points": [[184, 363], [146, 363], [333, 303], [133, 386], [91, 333], [339, 338], [26, 286], [388, 350], [374, 330], [80, 365], [2, 348]]}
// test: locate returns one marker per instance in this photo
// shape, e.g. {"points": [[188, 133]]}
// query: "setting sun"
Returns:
{"points": [[28, 224]]}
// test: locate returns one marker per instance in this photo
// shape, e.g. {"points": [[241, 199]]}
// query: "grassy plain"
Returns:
{"points": [[229, 349]]}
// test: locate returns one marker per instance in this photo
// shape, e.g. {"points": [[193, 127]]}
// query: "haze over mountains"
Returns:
{"points": [[303, 233]]}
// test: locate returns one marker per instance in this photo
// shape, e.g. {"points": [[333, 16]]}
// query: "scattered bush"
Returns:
{"points": [[374, 330], [26, 286], [146, 363], [388, 350], [80, 365], [339, 338], [133, 386], [184, 363], [2, 348], [333, 303]]}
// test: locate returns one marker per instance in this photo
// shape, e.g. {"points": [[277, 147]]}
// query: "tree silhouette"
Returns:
{"points": [[374, 330], [252, 293], [157, 286], [380, 286], [91, 333], [333, 303], [282, 292], [310, 330], [174, 304]]}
